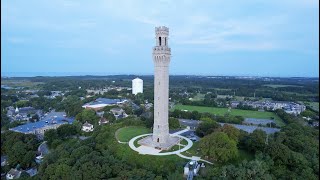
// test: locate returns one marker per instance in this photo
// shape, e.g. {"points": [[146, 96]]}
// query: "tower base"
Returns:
{"points": [[147, 141]]}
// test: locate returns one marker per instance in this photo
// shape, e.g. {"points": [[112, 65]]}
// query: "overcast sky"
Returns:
{"points": [[207, 37]]}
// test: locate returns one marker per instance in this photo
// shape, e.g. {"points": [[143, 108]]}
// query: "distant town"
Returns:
{"points": [[79, 107]]}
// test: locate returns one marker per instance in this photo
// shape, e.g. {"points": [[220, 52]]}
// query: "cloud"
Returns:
{"points": [[206, 24]]}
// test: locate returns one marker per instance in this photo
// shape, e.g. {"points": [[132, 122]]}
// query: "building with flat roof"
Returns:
{"points": [[38, 128], [103, 102]]}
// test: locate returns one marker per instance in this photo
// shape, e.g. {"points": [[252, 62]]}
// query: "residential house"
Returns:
{"points": [[103, 121], [118, 113], [32, 171], [13, 174], [87, 127]]}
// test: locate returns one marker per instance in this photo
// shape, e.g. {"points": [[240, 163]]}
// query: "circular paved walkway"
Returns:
{"points": [[153, 151]]}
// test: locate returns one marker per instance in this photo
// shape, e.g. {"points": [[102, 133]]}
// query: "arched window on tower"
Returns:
{"points": [[159, 41], [165, 41]]}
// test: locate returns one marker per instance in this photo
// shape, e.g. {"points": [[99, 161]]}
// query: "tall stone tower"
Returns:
{"points": [[161, 139], [161, 58]]}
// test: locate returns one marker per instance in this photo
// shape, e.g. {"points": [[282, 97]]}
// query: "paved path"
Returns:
{"points": [[194, 158], [152, 151], [43, 148], [122, 142], [180, 132]]}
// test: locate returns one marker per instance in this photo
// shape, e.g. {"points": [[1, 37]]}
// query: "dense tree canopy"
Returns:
{"points": [[87, 115], [206, 128], [219, 146], [20, 148]]}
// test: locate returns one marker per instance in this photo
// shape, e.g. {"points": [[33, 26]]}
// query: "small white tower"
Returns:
{"points": [[137, 86], [17, 110]]}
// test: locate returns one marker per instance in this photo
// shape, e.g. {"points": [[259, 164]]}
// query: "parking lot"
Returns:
{"points": [[193, 124], [191, 135]]}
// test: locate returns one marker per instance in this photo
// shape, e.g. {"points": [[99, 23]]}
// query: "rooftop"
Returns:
{"points": [[32, 171], [105, 101], [30, 127], [14, 172], [86, 124]]}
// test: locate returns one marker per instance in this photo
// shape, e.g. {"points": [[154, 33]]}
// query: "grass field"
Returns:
{"points": [[20, 83], [234, 112], [280, 85], [193, 150], [126, 133], [314, 105]]}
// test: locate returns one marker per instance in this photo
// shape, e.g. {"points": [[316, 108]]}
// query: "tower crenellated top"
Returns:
{"points": [[162, 29], [161, 51], [162, 36]]}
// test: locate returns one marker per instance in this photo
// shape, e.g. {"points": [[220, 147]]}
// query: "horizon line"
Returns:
{"points": [[146, 74]]}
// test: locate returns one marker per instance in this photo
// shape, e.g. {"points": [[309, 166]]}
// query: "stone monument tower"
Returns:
{"points": [[161, 57]]}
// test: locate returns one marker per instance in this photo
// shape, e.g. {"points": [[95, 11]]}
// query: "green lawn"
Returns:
{"points": [[126, 133], [193, 150], [184, 142], [20, 83], [234, 112], [280, 85], [313, 105]]}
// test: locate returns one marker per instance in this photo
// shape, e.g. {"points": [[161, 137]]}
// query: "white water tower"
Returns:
{"points": [[137, 86]]}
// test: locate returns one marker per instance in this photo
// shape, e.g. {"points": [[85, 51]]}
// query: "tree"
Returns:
{"points": [[206, 128], [28, 159], [255, 169], [109, 116], [67, 130], [88, 115], [219, 146], [173, 123], [308, 113], [50, 135], [256, 141], [231, 131], [17, 153], [206, 119], [24, 175], [23, 103]]}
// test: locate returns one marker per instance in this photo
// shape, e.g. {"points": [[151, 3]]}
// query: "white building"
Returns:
{"points": [[13, 174], [87, 127], [137, 86], [191, 168]]}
